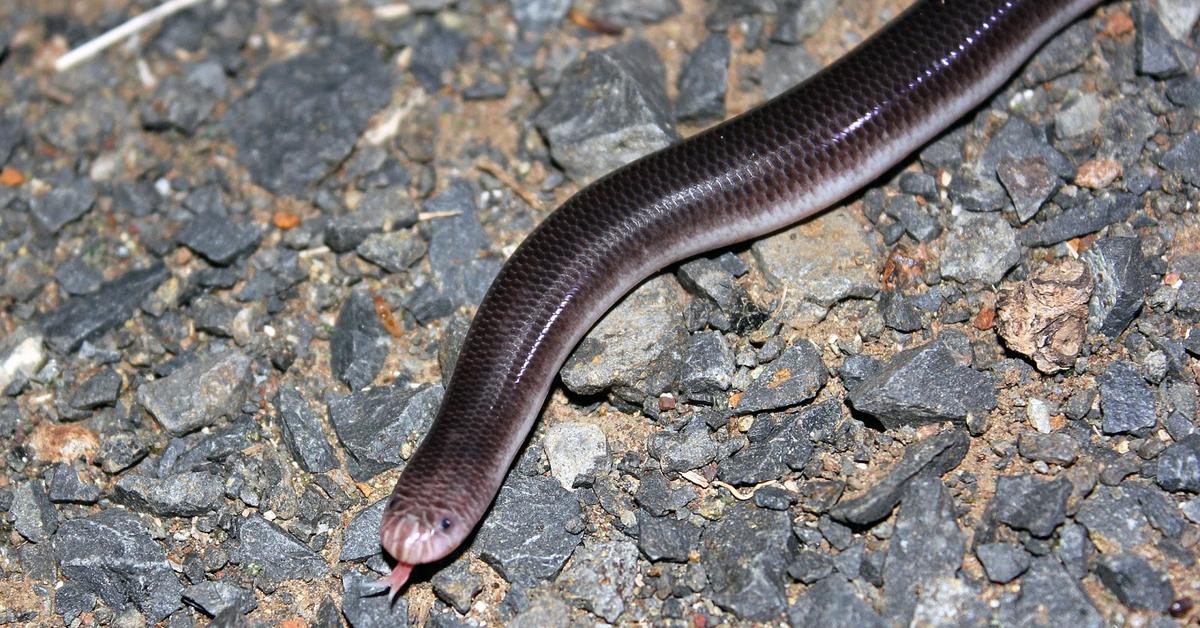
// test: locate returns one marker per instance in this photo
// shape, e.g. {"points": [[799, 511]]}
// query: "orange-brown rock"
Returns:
{"points": [[1045, 316]]}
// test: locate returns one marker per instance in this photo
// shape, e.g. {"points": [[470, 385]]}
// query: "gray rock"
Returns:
{"points": [[1078, 116], [538, 15], [713, 281], [113, 556], [609, 109], [456, 244], [373, 425], [76, 277], [1024, 502], [182, 495], [1061, 55], [833, 602], [809, 566], [365, 607], [34, 517], [1156, 55], [666, 538], [302, 433], [690, 448], [306, 113], [786, 445], [573, 449], [1178, 17], [1029, 183], [1122, 278], [66, 487], [394, 251], [1191, 509], [927, 384], [927, 544], [198, 393], [101, 389], [631, 12], [381, 210], [1126, 400], [359, 344], [1114, 519], [702, 81], [88, 317], [215, 597], [361, 539], [707, 366], [635, 350], [791, 379], [456, 585], [526, 538], [976, 193], [746, 554], [178, 104], [1056, 448], [602, 576], [1087, 217], [1178, 466], [279, 554], [121, 451], [69, 198], [979, 248], [935, 456], [1135, 582], [1183, 159], [818, 263], [1003, 562], [218, 238], [1019, 139], [785, 67], [1049, 597], [436, 52]]}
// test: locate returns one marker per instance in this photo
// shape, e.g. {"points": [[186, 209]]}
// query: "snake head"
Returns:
{"points": [[416, 535]]}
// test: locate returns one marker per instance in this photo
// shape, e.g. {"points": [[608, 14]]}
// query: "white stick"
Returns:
{"points": [[130, 27]]}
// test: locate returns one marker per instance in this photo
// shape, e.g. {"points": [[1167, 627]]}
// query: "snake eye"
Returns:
{"points": [[446, 523]]}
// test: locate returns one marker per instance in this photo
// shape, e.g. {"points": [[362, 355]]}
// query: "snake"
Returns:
{"points": [[749, 176]]}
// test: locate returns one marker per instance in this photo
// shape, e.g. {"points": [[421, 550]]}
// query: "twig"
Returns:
{"points": [[491, 168], [114, 35], [424, 216]]}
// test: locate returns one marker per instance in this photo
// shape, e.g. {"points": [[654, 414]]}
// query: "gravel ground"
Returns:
{"points": [[238, 253]]}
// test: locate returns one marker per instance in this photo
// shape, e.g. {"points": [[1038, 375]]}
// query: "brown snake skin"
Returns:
{"points": [[751, 175]]}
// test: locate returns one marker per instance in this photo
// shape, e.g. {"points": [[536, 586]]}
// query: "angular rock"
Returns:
{"points": [[833, 602], [609, 109], [702, 81], [359, 344], [198, 393], [302, 433], [365, 607], [746, 554], [1123, 278], [374, 425], [1136, 582], [1082, 219], [1029, 184], [1049, 596], [689, 449], [1126, 400], [666, 538], [707, 365], [218, 238], [88, 317], [1002, 562], [791, 379], [457, 245], [1024, 502], [66, 487], [456, 585], [216, 596], [1114, 520], [279, 554], [361, 539], [526, 537], [574, 449], [306, 113], [34, 517], [602, 576], [68, 200], [927, 544], [1178, 466], [101, 389], [934, 456], [926, 384], [113, 556], [786, 446], [979, 248]]}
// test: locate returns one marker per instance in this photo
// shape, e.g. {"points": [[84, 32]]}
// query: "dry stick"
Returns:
{"points": [[130, 27], [491, 168]]}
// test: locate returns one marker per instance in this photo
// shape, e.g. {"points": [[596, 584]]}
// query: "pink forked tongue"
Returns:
{"points": [[396, 579]]}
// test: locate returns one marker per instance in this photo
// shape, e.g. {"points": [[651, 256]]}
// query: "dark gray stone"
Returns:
{"points": [[1135, 582], [456, 585], [361, 539], [456, 243], [688, 449], [711, 280], [1114, 519], [306, 113], [834, 602], [538, 15], [707, 365], [1155, 47], [76, 277], [1003, 562], [198, 393], [101, 389], [1049, 597], [34, 517], [791, 379], [1178, 466], [88, 317], [215, 597], [359, 344], [926, 384], [666, 538], [373, 425], [935, 456], [380, 210], [183, 495], [526, 538], [1056, 448], [786, 445], [1183, 159], [1087, 217], [979, 248], [114, 557], [609, 109], [302, 433], [1122, 279], [218, 238], [1024, 502], [602, 576], [366, 606], [702, 81], [1126, 400], [436, 52], [121, 451], [394, 252], [631, 12], [66, 487], [746, 554], [277, 553], [69, 198], [809, 566], [1029, 184], [927, 545]]}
